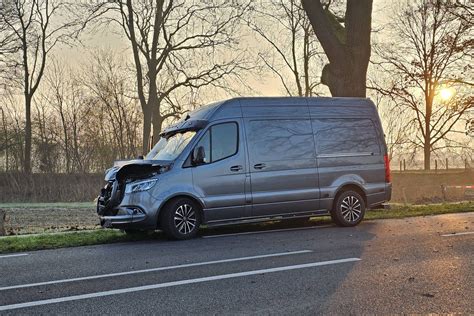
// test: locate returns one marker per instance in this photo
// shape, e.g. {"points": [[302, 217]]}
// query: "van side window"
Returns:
{"points": [[220, 142], [205, 142], [345, 136], [224, 140], [271, 140]]}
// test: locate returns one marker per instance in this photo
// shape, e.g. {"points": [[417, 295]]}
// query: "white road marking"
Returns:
{"points": [[457, 234], [14, 255], [92, 277], [266, 231], [174, 283]]}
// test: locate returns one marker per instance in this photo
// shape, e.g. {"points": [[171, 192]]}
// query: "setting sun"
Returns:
{"points": [[446, 93]]}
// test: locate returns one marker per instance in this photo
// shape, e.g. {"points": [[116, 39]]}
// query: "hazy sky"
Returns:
{"points": [[269, 85]]}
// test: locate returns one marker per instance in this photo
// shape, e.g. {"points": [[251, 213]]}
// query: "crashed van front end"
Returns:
{"points": [[126, 201], [135, 189]]}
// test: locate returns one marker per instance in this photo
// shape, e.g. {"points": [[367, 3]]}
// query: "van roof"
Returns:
{"points": [[285, 106], [281, 107]]}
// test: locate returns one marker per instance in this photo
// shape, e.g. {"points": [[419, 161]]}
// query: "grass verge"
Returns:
{"points": [[68, 239], [402, 211], [103, 236]]}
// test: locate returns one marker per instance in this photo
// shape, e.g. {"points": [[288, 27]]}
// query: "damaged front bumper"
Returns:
{"points": [[125, 217], [135, 207], [117, 209]]}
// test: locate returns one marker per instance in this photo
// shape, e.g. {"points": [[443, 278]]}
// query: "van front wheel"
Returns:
{"points": [[180, 219], [349, 209]]}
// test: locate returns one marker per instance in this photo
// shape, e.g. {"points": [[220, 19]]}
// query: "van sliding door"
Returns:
{"points": [[283, 167]]}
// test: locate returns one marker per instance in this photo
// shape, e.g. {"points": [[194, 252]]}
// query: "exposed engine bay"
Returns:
{"points": [[119, 175]]}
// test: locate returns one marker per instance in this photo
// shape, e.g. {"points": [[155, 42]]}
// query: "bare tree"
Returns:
{"points": [[294, 53], [109, 83], [428, 57], [394, 120], [175, 45], [32, 29], [346, 42], [46, 141], [13, 133]]}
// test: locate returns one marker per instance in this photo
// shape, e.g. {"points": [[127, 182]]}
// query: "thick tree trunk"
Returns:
{"points": [[347, 48], [345, 80]]}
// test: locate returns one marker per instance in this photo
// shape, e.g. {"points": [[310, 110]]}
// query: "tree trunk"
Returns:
{"points": [[427, 155], [429, 97], [153, 102], [146, 130], [66, 140], [27, 161], [347, 48], [157, 124], [5, 132]]}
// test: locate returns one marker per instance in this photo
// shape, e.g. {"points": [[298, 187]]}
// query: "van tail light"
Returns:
{"points": [[388, 177]]}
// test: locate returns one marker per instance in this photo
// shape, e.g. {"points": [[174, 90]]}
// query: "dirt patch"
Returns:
{"points": [[38, 220]]}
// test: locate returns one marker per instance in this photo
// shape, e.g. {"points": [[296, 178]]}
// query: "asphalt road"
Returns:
{"points": [[417, 265]]}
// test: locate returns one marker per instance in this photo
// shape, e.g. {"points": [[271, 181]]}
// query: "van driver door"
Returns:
{"points": [[221, 178]]}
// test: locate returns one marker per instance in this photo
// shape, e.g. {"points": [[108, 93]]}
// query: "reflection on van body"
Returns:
{"points": [[254, 159]]}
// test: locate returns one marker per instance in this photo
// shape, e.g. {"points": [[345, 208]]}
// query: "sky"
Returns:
{"points": [[105, 39], [266, 85]]}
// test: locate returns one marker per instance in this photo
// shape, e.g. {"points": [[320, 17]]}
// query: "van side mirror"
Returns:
{"points": [[199, 155], [140, 157]]}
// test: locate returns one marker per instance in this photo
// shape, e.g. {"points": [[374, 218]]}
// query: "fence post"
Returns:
{"points": [[447, 167], [400, 165], [404, 165], [2, 223], [436, 165]]}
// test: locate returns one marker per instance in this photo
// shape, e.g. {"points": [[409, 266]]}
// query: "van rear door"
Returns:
{"points": [[349, 151]]}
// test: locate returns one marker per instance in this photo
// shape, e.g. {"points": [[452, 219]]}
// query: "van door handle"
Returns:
{"points": [[259, 166], [236, 168]]}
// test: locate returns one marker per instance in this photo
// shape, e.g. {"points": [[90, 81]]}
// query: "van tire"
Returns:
{"points": [[178, 217], [349, 209]]}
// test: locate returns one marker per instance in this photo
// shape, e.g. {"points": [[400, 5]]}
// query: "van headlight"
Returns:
{"points": [[140, 186]]}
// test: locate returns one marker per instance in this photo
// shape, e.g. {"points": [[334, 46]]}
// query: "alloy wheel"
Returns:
{"points": [[351, 208], [185, 219]]}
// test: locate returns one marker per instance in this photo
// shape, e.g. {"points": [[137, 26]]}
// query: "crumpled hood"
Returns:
{"points": [[135, 168]]}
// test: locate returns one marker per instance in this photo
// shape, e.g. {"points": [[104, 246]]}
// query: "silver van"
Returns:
{"points": [[253, 159]]}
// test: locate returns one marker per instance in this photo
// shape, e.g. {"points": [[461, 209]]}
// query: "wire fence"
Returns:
{"points": [[437, 165]]}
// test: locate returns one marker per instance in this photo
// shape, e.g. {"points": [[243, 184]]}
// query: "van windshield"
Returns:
{"points": [[169, 148]]}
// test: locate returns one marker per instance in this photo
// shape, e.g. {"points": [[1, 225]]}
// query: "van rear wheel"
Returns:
{"points": [[181, 219], [349, 209]]}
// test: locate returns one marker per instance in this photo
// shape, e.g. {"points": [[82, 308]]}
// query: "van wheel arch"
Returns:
{"points": [[173, 198], [349, 187]]}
